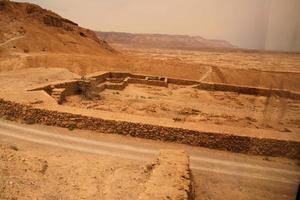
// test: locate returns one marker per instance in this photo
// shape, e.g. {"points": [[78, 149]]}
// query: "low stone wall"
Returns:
{"points": [[115, 80], [147, 82], [60, 90], [136, 80], [247, 90], [182, 82], [115, 86], [72, 87], [98, 78], [157, 83], [170, 177], [234, 143]]}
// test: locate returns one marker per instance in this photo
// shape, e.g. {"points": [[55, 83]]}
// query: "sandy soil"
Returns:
{"points": [[186, 104], [35, 171], [52, 173], [23, 78], [266, 61], [58, 173], [264, 69]]}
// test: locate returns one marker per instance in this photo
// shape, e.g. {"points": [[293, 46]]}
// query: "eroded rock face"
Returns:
{"points": [[52, 21], [59, 22]]}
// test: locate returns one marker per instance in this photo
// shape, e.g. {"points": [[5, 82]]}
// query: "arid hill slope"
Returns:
{"points": [[33, 37], [26, 27], [163, 41]]}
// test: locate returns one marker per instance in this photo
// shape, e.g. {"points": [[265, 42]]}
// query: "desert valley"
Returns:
{"points": [[108, 115]]}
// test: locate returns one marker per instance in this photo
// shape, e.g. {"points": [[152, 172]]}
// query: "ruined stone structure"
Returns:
{"points": [[97, 82]]}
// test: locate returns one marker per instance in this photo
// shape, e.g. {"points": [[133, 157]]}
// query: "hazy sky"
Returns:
{"points": [[261, 24]]}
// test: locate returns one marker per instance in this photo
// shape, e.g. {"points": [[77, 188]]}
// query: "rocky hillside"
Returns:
{"points": [[26, 27], [163, 41]]}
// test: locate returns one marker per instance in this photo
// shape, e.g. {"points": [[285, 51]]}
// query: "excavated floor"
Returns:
{"points": [[187, 104]]}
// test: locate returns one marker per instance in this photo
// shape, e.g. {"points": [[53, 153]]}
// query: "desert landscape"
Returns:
{"points": [[108, 115]]}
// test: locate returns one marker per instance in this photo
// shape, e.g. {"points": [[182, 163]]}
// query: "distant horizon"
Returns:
{"points": [[174, 34], [272, 25]]}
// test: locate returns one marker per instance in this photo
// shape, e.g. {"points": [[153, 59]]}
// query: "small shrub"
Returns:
{"points": [[44, 168], [29, 121], [267, 159], [176, 119], [14, 147], [71, 127], [82, 34]]}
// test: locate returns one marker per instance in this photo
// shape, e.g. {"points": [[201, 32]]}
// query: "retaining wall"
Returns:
{"points": [[247, 90], [234, 143], [182, 81]]}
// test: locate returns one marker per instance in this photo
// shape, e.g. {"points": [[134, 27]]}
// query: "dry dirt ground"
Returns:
{"points": [[62, 174], [266, 69], [34, 171], [267, 61], [182, 104], [186, 104]]}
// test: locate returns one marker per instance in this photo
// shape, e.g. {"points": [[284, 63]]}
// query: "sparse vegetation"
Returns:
{"points": [[44, 168], [177, 119], [267, 158], [71, 127], [26, 50], [29, 121], [14, 147]]}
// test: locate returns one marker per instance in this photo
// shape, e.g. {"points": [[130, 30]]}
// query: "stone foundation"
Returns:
{"points": [[120, 80]]}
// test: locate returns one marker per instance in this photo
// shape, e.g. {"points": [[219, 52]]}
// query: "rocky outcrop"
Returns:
{"points": [[52, 21]]}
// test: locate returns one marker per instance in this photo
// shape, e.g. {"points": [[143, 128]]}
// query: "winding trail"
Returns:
{"points": [[12, 39]]}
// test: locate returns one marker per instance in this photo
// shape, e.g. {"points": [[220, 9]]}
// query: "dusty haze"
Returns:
{"points": [[258, 24]]}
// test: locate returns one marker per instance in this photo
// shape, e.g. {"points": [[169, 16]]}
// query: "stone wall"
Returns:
{"points": [[115, 86], [182, 82], [247, 90], [234, 143], [72, 87], [170, 177]]}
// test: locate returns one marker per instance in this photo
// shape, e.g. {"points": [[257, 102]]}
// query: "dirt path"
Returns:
{"points": [[207, 73], [10, 40], [198, 162], [216, 174]]}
